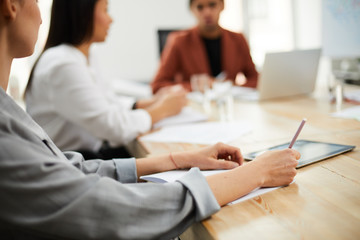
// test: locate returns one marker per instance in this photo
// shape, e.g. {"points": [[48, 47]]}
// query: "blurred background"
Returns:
{"points": [[131, 52]]}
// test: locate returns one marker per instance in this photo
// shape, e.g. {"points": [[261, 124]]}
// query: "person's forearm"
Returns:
{"points": [[144, 103], [156, 113], [165, 162], [229, 186], [156, 164], [158, 84]]}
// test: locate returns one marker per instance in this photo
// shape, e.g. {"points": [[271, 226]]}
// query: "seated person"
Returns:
{"points": [[46, 194], [205, 49], [69, 98]]}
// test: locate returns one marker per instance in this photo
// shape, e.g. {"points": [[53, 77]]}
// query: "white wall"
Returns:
{"points": [[308, 23], [308, 34], [131, 50]]}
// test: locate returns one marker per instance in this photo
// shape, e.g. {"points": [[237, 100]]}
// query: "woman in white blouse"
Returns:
{"points": [[68, 97]]}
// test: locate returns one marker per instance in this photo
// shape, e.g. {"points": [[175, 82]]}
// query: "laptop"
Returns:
{"points": [[284, 74]]}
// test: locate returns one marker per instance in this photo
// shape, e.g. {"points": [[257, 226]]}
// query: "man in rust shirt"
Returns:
{"points": [[205, 49]]}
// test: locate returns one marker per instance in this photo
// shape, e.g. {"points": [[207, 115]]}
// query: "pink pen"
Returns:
{"points": [[297, 133]]}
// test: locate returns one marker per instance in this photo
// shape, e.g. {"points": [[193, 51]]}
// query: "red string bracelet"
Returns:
{"points": [[172, 159]]}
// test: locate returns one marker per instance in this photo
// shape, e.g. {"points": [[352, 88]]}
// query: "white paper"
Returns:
{"points": [[200, 133], [351, 113], [187, 115], [355, 96], [254, 193], [243, 93], [237, 90], [172, 176]]}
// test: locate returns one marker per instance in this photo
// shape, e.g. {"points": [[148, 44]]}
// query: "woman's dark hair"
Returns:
{"points": [[71, 22]]}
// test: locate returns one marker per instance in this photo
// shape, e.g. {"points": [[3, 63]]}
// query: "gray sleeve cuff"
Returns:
{"points": [[100, 167], [204, 199], [126, 170]]}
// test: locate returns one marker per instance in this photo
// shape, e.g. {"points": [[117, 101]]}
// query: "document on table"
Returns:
{"points": [[200, 133], [354, 96], [351, 113], [187, 115], [172, 176], [244, 93]]}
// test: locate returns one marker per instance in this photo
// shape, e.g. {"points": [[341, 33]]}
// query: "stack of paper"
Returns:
{"points": [[187, 115], [351, 113], [200, 133], [354, 96]]}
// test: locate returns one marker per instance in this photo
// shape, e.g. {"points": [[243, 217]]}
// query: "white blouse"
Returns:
{"points": [[76, 106]]}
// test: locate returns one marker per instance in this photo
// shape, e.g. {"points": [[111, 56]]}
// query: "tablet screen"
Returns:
{"points": [[310, 151]]}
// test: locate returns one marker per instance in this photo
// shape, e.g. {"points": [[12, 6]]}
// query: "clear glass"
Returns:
{"points": [[201, 87], [224, 99]]}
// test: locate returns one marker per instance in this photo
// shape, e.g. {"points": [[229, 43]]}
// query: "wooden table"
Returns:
{"points": [[324, 201]]}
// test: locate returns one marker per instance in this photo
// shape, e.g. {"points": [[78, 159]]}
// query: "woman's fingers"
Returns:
{"points": [[230, 153]]}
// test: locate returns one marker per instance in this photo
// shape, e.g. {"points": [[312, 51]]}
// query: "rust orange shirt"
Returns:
{"points": [[185, 55]]}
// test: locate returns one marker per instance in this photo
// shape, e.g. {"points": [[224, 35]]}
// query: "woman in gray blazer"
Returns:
{"points": [[47, 194]]}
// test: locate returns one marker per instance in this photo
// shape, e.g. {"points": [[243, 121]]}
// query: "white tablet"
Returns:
{"points": [[311, 151]]}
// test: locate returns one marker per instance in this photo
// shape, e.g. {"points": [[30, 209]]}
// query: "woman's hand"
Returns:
{"points": [[160, 95], [277, 168], [169, 89], [218, 156], [240, 79], [273, 168], [167, 104], [172, 102]]}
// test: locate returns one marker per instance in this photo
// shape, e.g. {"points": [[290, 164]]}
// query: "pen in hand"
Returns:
{"points": [[297, 133]]}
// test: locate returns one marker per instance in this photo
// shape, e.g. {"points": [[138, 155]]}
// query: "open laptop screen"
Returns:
{"points": [[285, 74]]}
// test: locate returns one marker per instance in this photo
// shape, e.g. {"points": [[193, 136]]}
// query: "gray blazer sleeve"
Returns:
{"points": [[123, 170], [45, 196]]}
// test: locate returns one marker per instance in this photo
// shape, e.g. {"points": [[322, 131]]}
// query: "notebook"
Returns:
{"points": [[311, 151], [285, 74]]}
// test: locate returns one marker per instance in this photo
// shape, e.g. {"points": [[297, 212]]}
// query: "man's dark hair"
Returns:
{"points": [[191, 1], [71, 22]]}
